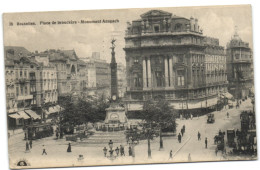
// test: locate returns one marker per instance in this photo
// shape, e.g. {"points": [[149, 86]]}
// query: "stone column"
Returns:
{"points": [[171, 72], [144, 74], [149, 72], [166, 77]]}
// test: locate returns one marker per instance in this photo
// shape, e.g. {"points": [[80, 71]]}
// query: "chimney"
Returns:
{"points": [[192, 23], [196, 25]]}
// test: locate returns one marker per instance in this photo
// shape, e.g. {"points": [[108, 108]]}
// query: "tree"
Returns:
{"points": [[161, 114], [82, 111]]}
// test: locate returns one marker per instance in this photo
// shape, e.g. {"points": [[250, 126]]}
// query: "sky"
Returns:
{"points": [[218, 22]]}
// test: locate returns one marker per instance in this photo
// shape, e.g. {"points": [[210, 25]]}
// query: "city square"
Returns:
{"points": [[158, 91]]}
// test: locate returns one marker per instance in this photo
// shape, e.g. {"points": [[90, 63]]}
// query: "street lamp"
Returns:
{"points": [[148, 133]]}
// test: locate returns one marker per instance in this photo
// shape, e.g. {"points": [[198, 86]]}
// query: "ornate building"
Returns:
{"points": [[240, 67], [168, 57]]}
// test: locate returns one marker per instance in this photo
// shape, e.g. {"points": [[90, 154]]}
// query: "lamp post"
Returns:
{"points": [[148, 134], [132, 144]]}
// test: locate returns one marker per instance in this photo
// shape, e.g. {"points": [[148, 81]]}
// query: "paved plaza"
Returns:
{"points": [[93, 153]]}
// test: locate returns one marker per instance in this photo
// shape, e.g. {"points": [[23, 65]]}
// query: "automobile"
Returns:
{"points": [[211, 118]]}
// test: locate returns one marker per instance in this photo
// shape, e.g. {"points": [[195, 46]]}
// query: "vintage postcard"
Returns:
{"points": [[129, 86]]}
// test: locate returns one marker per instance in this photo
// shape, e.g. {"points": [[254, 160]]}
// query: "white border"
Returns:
{"points": [[51, 5]]}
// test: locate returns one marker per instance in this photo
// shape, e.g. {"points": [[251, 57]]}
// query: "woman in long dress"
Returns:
{"points": [[69, 148]]}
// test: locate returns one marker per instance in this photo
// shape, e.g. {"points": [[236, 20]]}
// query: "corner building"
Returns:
{"points": [[240, 67], [168, 57]]}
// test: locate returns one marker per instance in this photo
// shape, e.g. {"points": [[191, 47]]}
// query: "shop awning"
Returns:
{"points": [[134, 106], [47, 112], [52, 110], [33, 114], [23, 115], [193, 105], [212, 102], [58, 108], [228, 95], [15, 116]]}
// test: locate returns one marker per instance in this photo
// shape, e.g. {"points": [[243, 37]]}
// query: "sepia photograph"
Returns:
{"points": [[129, 86]]}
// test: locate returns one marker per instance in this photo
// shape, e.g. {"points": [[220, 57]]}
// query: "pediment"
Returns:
{"points": [[158, 13]]}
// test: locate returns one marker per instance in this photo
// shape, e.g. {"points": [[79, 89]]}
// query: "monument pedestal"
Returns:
{"points": [[115, 118]]}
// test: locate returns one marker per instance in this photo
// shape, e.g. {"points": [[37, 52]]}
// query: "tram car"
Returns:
{"points": [[38, 131]]}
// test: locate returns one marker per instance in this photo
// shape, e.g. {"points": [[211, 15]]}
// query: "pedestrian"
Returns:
{"points": [[183, 128], [199, 136], [111, 152], [206, 143], [105, 151], [130, 151], [117, 151], [57, 134], [227, 115], [122, 150], [237, 133], [170, 155], [27, 149], [189, 158], [216, 151], [30, 144], [44, 150], [179, 138], [182, 132], [191, 116], [69, 148]]}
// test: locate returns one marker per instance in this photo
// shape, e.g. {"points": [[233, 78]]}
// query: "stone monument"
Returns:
{"points": [[115, 114]]}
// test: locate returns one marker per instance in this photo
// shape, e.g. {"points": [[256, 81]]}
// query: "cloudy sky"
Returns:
{"points": [[218, 22]]}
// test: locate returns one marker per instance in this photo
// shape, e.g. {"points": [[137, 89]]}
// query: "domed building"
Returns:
{"points": [[239, 67]]}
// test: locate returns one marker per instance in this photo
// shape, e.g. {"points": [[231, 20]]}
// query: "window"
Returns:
{"points": [[180, 77], [25, 90], [137, 80], [237, 56], [156, 28], [180, 58], [136, 61], [21, 73], [178, 27], [21, 91], [17, 91], [159, 78]]}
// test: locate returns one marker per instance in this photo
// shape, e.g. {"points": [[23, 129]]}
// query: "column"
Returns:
{"points": [[171, 72], [166, 68], [149, 72], [144, 74]]}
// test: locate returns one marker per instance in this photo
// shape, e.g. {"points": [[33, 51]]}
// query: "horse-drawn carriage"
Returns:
{"points": [[211, 118]]}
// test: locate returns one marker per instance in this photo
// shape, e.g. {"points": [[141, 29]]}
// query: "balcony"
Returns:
{"points": [[22, 80], [26, 97]]}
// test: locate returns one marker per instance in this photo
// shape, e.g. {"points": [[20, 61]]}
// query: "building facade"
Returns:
{"points": [[168, 57], [99, 75], [240, 67]]}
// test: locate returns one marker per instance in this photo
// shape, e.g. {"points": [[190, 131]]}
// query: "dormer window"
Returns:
{"points": [[156, 28], [136, 60]]}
